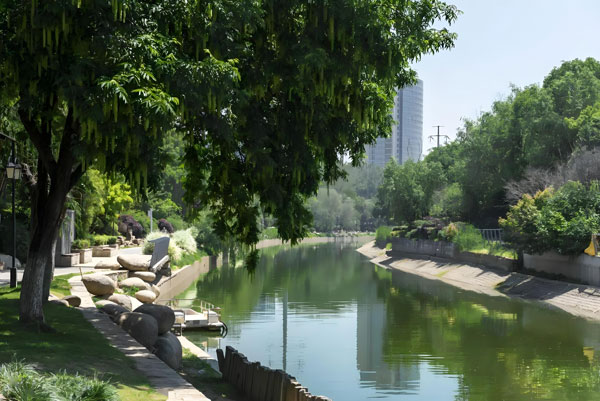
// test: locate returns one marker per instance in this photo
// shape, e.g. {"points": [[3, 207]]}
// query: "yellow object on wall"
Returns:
{"points": [[590, 250]]}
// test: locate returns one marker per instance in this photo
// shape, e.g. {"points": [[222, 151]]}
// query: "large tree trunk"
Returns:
{"points": [[56, 177], [47, 206], [32, 288], [49, 271]]}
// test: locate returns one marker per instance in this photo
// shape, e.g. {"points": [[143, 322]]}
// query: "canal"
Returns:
{"points": [[349, 330]]}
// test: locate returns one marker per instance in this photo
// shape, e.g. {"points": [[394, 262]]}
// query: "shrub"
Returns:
{"points": [[185, 240], [468, 238], [142, 218], [164, 225], [400, 231], [19, 381], [81, 244], [383, 236], [101, 239], [81, 388], [126, 220], [177, 222], [562, 221], [449, 232], [412, 234]]}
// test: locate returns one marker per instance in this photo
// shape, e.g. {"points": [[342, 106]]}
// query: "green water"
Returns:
{"points": [[351, 331]]}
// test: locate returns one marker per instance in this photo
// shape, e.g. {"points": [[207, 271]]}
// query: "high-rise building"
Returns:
{"points": [[406, 141]]}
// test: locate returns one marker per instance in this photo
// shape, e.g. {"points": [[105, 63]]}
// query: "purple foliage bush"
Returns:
{"points": [[164, 225], [125, 220]]}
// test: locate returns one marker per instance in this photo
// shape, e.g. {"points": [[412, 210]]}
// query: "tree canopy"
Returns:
{"points": [[535, 134], [268, 97]]}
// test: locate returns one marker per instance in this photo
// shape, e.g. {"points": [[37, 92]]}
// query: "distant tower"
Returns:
{"points": [[406, 141]]}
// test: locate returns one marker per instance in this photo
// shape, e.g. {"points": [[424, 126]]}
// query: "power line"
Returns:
{"points": [[438, 135]]}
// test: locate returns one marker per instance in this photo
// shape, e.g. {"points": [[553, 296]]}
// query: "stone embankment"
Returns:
{"points": [[578, 300], [143, 335]]}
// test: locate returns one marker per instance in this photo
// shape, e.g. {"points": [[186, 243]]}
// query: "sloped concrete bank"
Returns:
{"points": [[578, 300]]}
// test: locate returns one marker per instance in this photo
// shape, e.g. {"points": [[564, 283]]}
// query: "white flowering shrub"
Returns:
{"points": [[185, 240]]}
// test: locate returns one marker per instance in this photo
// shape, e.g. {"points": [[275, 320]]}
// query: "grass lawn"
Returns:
{"points": [[60, 285], [76, 346]]}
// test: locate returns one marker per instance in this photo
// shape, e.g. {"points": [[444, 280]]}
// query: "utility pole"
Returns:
{"points": [[438, 135]]}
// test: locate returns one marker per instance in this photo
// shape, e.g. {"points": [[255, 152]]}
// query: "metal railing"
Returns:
{"points": [[197, 304], [492, 234]]}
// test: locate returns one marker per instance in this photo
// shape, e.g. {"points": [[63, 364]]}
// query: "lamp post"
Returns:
{"points": [[13, 172]]}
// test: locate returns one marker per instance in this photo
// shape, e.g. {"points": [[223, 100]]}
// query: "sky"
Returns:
{"points": [[502, 42]]}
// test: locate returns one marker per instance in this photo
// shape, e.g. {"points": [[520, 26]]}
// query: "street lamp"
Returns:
{"points": [[13, 172]]}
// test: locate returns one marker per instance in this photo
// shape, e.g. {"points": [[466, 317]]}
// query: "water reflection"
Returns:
{"points": [[352, 331]]}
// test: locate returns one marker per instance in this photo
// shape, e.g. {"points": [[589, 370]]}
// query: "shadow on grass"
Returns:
{"points": [[75, 347], [202, 376]]}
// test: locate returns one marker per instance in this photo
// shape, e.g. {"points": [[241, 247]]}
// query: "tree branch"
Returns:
{"points": [[41, 142], [76, 175], [65, 152]]}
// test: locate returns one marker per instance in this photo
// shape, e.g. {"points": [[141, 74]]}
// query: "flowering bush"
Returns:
{"points": [[185, 240]]}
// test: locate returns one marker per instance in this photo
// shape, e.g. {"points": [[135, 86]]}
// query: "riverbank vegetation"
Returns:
{"points": [[19, 381], [53, 353], [531, 161]]}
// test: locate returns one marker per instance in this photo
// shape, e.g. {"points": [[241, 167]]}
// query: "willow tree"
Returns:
{"points": [[269, 96]]}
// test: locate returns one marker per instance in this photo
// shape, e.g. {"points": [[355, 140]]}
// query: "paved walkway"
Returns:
{"points": [[59, 271], [579, 300], [164, 379]]}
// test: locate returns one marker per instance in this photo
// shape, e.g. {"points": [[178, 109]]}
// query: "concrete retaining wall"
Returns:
{"points": [[494, 262], [443, 249], [181, 279], [260, 383], [583, 268], [439, 249]]}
